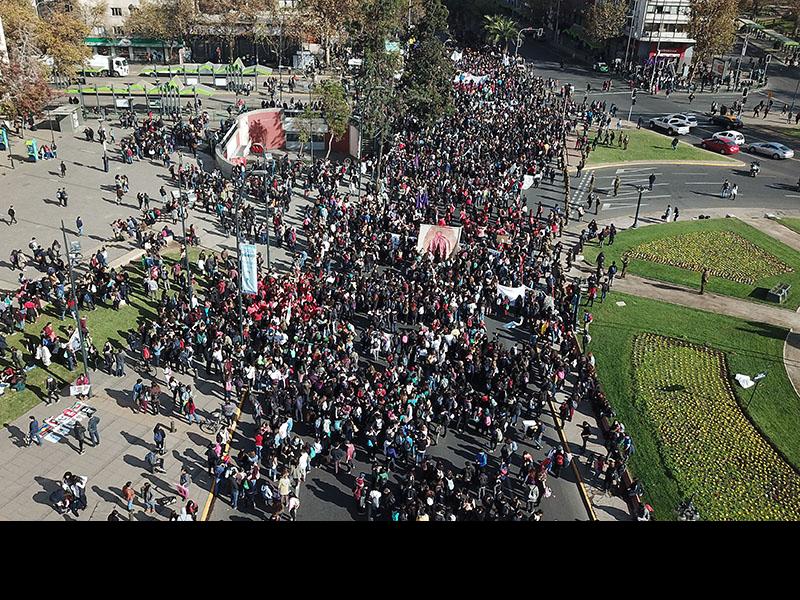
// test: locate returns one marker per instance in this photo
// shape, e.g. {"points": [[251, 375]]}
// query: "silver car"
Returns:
{"points": [[771, 149]]}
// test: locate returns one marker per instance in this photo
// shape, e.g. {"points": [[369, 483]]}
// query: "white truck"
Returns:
{"points": [[116, 66]]}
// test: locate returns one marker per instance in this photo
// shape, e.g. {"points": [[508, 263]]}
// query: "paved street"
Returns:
{"points": [[29, 474]]}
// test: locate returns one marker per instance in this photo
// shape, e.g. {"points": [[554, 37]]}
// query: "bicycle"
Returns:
{"points": [[214, 423]]}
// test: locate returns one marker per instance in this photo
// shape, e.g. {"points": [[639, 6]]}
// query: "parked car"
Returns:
{"points": [[771, 149], [600, 67], [720, 145], [729, 121], [673, 126], [734, 136]]}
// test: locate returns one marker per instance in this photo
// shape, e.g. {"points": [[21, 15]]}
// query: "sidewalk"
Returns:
{"points": [[30, 474]]}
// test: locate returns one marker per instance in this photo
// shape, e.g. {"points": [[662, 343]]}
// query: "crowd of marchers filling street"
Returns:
{"points": [[374, 346]]}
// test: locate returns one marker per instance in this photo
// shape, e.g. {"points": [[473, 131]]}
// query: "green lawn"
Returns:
{"points": [[677, 244], [647, 145], [749, 348], [103, 323], [792, 223]]}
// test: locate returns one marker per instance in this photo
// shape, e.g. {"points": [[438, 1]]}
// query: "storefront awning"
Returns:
{"points": [[751, 24]]}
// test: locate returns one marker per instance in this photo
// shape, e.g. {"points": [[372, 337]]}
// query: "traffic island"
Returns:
{"points": [[743, 262], [668, 372]]}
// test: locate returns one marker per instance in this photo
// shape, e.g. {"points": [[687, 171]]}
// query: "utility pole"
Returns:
{"points": [[566, 155], [519, 34], [630, 32], [741, 56], [73, 290], [633, 102], [237, 216], [641, 189]]}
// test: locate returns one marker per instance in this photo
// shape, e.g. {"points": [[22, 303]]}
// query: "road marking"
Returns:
{"points": [[648, 196], [704, 183], [792, 195], [616, 206], [632, 170]]}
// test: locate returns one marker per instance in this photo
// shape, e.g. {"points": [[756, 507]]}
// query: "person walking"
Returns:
{"points": [[119, 363], [33, 431], [703, 280], [616, 185], [652, 180], [12, 215], [94, 436], [734, 191], [63, 168], [184, 481], [128, 494], [726, 186], [160, 438], [148, 498], [79, 225], [586, 433], [79, 431]]}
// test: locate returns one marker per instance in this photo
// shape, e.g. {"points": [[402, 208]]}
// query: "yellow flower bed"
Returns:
{"points": [[709, 445], [726, 254]]}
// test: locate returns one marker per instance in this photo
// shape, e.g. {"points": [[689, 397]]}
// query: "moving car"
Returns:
{"points": [[734, 136], [731, 121], [600, 67], [720, 145], [684, 118], [673, 125], [771, 149]]}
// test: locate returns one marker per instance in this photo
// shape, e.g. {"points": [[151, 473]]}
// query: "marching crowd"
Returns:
{"points": [[365, 348]]}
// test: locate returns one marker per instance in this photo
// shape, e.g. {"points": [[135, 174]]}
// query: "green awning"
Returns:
{"points": [[779, 37], [751, 24]]}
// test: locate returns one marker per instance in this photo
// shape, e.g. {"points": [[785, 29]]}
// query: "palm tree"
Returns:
{"points": [[500, 29]]}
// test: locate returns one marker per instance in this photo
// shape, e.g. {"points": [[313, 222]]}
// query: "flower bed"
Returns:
{"points": [[726, 254], [713, 451]]}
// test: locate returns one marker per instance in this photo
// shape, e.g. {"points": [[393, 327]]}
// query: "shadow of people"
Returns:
{"points": [[16, 435]]}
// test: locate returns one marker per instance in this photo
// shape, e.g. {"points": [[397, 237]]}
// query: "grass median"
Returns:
{"points": [[646, 145], [672, 442], [744, 262], [104, 324]]}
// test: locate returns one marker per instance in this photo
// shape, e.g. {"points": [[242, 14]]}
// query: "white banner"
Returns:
{"points": [[469, 78], [456, 55], [527, 182], [511, 293], [249, 269]]}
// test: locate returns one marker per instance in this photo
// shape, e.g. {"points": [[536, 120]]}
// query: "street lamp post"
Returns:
{"points": [[182, 208], [757, 379], [519, 35], [794, 97], [73, 290], [641, 190]]}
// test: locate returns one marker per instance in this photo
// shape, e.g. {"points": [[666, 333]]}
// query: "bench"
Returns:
{"points": [[779, 293]]}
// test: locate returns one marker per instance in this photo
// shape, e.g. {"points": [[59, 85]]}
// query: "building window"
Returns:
{"points": [[116, 12], [119, 30]]}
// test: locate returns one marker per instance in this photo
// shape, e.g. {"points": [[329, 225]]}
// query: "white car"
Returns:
{"points": [[672, 125], [687, 119], [771, 149], [734, 136]]}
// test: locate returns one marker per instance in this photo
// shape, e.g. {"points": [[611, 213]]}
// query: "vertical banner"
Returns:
{"points": [[249, 269]]}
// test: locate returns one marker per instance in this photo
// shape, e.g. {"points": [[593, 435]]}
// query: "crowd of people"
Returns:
{"points": [[365, 349]]}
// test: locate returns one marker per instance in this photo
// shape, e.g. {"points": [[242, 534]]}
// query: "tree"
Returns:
{"points": [[335, 109], [605, 20], [166, 20], [230, 19], [37, 45], [305, 124], [427, 81], [713, 26], [326, 20], [500, 30]]}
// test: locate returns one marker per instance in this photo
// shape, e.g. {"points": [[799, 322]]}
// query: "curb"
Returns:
{"points": [[587, 503], [696, 163], [212, 494]]}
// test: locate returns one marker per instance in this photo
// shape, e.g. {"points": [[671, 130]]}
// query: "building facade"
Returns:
{"points": [[658, 31]]}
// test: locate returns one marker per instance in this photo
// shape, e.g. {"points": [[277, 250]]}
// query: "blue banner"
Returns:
{"points": [[248, 265]]}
